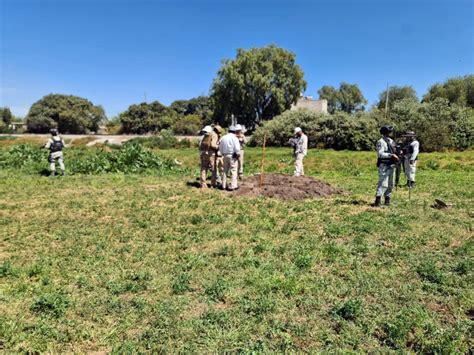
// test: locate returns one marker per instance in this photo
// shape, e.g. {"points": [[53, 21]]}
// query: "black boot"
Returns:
{"points": [[377, 202], [387, 200], [412, 184]]}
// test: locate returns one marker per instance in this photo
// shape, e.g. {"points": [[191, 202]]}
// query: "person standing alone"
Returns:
{"points": [[300, 148], [55, 145]]}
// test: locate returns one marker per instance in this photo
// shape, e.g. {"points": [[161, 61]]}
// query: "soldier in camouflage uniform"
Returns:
{"points": [[219, 160], [207, 152], [412, 149], [386, 161], [55, 145]]}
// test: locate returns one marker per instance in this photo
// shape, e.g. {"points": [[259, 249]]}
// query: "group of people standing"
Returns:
{"points": [[390, 157], [222, 155]]}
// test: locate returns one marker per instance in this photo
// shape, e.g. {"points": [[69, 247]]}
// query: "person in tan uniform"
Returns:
{"points": [[219, 160], [207, 151], [239, 132]]}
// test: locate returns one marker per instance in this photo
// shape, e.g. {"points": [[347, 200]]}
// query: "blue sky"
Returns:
{"points": [[112, 52]]}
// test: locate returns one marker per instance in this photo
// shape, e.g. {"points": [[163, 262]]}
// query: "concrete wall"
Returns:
{"points": [[311, 104]]}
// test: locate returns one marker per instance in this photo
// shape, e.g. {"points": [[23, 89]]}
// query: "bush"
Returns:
{"points": [[187, 125], [166, 140], [52, 304], [338, 131], [130, 158]]}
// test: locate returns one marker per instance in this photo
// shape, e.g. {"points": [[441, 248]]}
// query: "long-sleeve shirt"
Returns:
{"points": [[384, 151], [301, 146], [229, 144], [243, 140], [413, 150]]}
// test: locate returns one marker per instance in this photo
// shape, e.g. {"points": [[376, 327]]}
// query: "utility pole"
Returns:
{"points": [[145, 96], [386, 100]]}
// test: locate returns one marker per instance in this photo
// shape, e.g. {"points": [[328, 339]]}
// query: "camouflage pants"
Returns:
{"points": [[207, 163], [56, 156], [218, 170], [410, 170], [385, 183]]}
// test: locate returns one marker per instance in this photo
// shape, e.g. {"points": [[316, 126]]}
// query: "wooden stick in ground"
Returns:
{"points": [[263, 159]]}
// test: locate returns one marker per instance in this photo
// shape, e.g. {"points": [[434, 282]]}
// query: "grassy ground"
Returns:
{"points": [[137, 262]]}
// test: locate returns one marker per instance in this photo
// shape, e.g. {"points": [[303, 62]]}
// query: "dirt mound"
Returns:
{"points": [[285, 187]]}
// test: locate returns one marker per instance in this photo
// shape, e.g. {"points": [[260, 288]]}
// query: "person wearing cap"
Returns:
{"points": [[218, 170], [386, 161], [300, 149], [412, 149], [207, 151], [239, 132], [230, 150], [55, 144]]}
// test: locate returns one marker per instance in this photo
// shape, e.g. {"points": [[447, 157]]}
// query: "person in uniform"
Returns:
{"points": [[207, 152], [230, 150], [239, 132], [55, 145], [219, 160], [412, 148], [300, 149], [386, 161]]}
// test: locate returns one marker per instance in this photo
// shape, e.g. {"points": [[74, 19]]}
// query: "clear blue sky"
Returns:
{"points": [[112, 52]]}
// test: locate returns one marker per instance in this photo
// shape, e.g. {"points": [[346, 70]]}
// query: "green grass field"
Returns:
{"points": [[140, 262]]}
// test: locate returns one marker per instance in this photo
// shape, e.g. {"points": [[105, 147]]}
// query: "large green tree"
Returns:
{"points": [[331, 94], [257, 85], [68, 113], [6, 115], [395, 94], [199, 106], [348, 98], [457, 90], [147, 117]]}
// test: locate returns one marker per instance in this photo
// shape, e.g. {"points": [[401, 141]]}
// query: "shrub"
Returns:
{"points": [[53, 304], [187, 125], [349, 310], [130, 158], [338, 131]]}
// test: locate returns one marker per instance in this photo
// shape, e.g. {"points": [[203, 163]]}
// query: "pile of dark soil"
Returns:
{"points": [[285, 187]]}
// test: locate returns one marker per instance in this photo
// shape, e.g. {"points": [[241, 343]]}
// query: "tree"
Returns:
{"points": [[144, 117], [351, 98], [330, 94], [457, 90], [257, 85], [68, 113], [6, 115], [348, 98], [396, 93], [200, 106]]}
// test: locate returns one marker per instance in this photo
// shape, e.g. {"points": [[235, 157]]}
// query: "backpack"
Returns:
{"points": [[56, 146], [206, 142]]}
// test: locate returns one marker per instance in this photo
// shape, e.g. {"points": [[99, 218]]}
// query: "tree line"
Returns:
{"points": [[257, 86]]}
